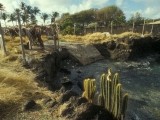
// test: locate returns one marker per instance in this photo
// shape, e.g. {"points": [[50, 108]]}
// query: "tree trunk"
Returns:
{"points": [[20, 34], [3, 47], [12, 23]]}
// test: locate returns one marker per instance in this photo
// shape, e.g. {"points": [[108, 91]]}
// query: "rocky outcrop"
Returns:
{"points": [[129, 48], [46, 67]]}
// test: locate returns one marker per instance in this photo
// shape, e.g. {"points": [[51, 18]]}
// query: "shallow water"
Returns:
{"points": [[140, 79]]}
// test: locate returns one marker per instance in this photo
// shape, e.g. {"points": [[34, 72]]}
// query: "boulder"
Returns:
{"points": [[29, 105], [66, 96]]}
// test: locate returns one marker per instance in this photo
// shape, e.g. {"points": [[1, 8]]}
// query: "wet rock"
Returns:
{"points": [[29, 105], [79, 71], [66, 96], [65, 71]]}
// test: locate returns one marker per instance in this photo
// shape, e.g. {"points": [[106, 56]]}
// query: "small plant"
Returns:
{"points": [[89, 89]]}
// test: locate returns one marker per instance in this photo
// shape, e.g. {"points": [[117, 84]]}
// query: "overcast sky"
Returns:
{"points": [[148, 8]]}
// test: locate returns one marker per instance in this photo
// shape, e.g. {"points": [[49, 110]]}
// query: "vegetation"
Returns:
{"points": [[97, 37], [89, 89], [98, 17], [110, 96], [136, 18]]}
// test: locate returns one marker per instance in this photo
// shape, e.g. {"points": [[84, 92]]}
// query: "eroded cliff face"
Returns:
{"points": [[129, 48]]}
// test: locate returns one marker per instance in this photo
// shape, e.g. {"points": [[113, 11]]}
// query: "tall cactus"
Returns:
{"points": [[89, 89], [124, 106], [110, 94]]}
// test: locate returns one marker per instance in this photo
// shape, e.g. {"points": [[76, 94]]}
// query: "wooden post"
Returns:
{"points": [[143, 28], [20, 35], [133, 27], [111, 27], [54, 32], [152, 29], [3, 47], [74, 28], [95, 27], [58, 30]]}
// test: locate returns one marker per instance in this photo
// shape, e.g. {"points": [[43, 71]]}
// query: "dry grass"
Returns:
{"points": [[97, 37], [17, 85]]}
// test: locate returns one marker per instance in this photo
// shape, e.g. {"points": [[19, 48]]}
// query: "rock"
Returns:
{"points": [[129, 48], [111, 45], [65, 71], [87, 111], [49, 103], [81, 100], [66, 96], [28, 105], [66, 84], [65, 109], [84, 54]]}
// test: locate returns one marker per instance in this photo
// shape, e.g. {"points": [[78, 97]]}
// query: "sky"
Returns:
{"points": [[147, 8]]}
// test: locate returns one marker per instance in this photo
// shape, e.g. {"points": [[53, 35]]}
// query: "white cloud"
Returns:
{"points": [[61, 6], [149, 8], [151, 12], [119, 2]]}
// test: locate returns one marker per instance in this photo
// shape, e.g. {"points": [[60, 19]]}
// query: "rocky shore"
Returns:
{"points": [[54, 68]]}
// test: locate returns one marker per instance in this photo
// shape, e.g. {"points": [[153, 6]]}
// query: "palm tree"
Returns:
{"points": [[12, 18], [22, 6], [36, 10], [4, 17], [29, 9], [1, 7], [54, 15], [33, 19], [24, 19], [44, 16]]}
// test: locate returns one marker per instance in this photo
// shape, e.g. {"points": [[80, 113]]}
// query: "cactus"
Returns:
{"points": [[110, 95], [117, 104], [124, 106], [89, 89]]}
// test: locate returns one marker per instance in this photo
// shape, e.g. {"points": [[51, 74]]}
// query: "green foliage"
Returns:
{"points": [[89, 89], [12, 18], [136, 18], [54, 15], [111, 13], [4, 16], [68, 30], [44, 17], [1, 6]]}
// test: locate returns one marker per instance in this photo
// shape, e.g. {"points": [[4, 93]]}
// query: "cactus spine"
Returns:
{"points": [[89, 89]]}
